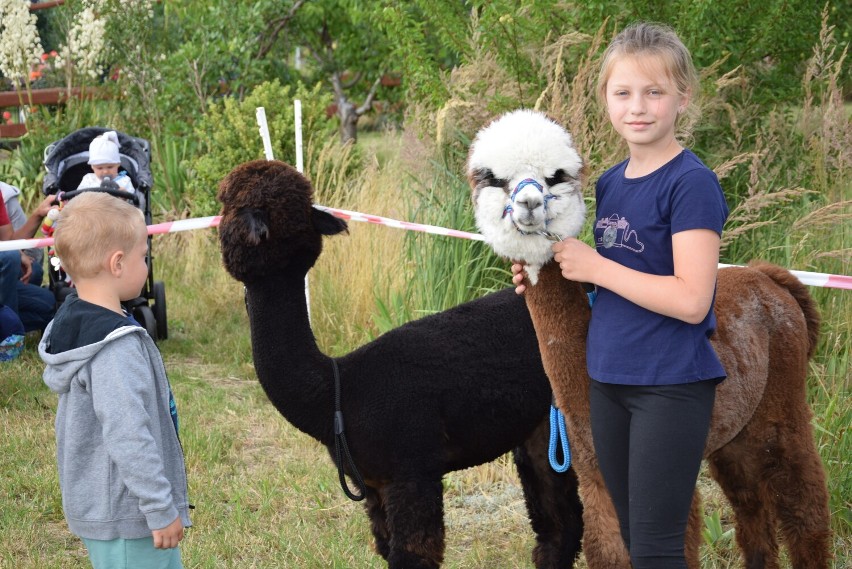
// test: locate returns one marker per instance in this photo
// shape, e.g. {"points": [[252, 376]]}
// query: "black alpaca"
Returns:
{"points": [[443, 393]]}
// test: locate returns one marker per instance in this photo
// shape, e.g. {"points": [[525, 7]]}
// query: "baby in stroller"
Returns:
{"points": [[87, 157], [105, 160]]}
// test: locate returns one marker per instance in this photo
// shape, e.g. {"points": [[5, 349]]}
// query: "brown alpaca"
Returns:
{"points": [[760, 448]]}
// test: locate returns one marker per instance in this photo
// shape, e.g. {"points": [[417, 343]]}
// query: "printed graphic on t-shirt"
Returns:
{"points": [[614, 231]]}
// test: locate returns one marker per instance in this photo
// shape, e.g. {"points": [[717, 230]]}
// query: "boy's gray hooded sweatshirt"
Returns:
{"points": [[121, 466]]}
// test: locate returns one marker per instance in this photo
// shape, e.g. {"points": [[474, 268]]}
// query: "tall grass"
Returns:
{"points": [[356, 264]]}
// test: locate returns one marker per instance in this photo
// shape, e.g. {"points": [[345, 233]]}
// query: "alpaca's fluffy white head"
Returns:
{"points": [[525, 175]]}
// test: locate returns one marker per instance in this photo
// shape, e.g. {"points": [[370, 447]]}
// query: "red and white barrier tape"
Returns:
{"points": [[812, 279], [433, 229], [824, 280]]}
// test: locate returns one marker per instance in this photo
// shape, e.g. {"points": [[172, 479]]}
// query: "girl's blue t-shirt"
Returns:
{"points": [[634, 224]]}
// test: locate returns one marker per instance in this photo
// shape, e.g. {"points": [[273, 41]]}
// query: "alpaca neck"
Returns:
{"points": [[296, 376], [560, 313]]}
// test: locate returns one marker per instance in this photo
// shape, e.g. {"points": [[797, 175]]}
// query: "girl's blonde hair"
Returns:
{"points": [[93, 226], [658, 40]]}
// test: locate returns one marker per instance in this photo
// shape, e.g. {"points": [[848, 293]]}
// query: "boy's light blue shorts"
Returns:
{"points": [[131, 554]]}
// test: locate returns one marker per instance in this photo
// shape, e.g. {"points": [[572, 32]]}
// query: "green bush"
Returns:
{"points": [[228, 135]]}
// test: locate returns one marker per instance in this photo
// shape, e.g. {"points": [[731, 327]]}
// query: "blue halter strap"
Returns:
{"points": [[508, 210]]}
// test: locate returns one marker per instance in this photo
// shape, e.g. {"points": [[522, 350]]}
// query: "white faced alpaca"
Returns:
{"points": [[525, 175]]}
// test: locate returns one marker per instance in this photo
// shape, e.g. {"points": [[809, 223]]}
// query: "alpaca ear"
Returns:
{"points": [[479, 178], [327, 224], [484, 177], [479, 175]]}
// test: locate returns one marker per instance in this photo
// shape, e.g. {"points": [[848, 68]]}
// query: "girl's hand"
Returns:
{"points": [[576, 260], [518, 276]]}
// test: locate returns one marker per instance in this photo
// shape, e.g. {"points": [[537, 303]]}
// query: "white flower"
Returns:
{"points": [[87, 46], [85, 43], [20, 45]]}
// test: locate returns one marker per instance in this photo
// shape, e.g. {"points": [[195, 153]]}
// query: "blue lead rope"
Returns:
{"points": [[557, 419], [557, 429]]}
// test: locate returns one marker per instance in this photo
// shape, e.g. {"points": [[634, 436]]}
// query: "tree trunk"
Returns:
{"points": [[347, 112], [348, 115]]}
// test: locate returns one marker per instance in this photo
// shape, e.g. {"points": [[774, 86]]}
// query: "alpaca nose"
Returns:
{"points": [[530, 202]]}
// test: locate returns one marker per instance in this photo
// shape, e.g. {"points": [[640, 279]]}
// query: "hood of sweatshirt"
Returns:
{"points": [[61, 369]]}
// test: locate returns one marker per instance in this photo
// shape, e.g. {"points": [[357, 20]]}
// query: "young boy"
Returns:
{"points": [[121, 466]]}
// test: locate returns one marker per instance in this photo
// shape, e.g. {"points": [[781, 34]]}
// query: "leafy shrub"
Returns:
{"points": [[228, 135]]}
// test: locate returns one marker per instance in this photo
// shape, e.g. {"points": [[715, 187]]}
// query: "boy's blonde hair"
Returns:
{"points": [[91, 227], [660, 41]]}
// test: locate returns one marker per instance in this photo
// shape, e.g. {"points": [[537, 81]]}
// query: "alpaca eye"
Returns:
{"points": [[557, 178]]}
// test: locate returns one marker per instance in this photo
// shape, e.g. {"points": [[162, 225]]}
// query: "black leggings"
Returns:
{"points": [[649, 441]]}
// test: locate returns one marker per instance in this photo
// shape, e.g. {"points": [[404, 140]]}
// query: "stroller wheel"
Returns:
{"points": [[159, 293], [145, 317]]}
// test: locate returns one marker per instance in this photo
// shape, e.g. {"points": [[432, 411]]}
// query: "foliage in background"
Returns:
{"points": [[771, 40], [214, 53], [779, 161], [228, 135], [344, 50]]}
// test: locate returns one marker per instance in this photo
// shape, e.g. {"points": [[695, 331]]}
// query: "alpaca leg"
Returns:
{"points": [[693, 533], [603, 546], [738, 470], [553, 504], [602, 543], [415, 519], [378, 521], [798, 487], [773, 476]]}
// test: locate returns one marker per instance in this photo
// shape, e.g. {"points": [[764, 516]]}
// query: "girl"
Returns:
{"points": [[658, 225]]}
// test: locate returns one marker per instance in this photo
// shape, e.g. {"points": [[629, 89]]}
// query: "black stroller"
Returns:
{"points": [[66, 161]]}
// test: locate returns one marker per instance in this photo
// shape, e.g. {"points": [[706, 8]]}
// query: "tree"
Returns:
{"points": [[350, 55]]}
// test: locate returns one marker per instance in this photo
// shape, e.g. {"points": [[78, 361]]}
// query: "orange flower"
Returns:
{"points": [[34, 75]]}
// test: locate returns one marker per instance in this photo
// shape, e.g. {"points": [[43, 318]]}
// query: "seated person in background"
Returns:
{"points": [[26, 227], [105, 161], [33, 304], [11, 334]]}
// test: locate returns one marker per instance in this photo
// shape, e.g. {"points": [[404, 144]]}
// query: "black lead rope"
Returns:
{"points": [[340, 446]]}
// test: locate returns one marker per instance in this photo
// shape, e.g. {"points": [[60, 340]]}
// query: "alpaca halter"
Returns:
{"points": [[509, 210]]}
